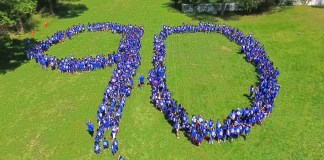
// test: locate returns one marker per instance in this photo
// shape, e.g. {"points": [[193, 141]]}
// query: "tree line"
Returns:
{"points": [[15, 15], [246, 6]]}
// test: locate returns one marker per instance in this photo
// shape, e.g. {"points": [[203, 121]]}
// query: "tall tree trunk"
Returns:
{"points": [[20, 25], [223, 8], [51, 7]]}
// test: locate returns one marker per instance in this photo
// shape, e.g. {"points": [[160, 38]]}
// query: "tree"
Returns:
{"points": [[5, 19], [47, 5], [16, 13], [247, 5], [22, 11], [50, 3], [257, 5], [223, 6]]}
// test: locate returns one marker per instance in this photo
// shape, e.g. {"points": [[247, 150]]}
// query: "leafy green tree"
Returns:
{"points": [[248, 5], [257, 5], [16, 13], [223, 8]]}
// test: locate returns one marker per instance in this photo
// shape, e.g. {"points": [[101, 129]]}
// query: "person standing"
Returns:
{"points": [[90, 128], [114, 147], [114, 131], [176, 128], [141, 81], [247, 131], [97, 148], [105, 144], [251, 91]]}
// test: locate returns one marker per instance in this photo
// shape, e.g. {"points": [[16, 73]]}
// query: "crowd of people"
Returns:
{"points": [[120, 85], [127, 60], [71, 64], [240, 120]]}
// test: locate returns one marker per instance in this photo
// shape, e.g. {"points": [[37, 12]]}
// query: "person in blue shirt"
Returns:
{"points": [[232, 134], [114, 147], [114, 131], [193, 134], [97, 148], [199, 139], [220, 135], [212, 135], [227, 134], [121, 157], [251, 91], [247, 131], [106, 144], [176, 128], [141, 81], [28, 42], [90, 128]]}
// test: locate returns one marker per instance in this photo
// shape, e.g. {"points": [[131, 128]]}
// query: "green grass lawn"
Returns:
{"points": [[43, 112]]}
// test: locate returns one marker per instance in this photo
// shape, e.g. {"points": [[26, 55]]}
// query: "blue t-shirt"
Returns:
{"points": [[176, 126], [90, 127], [200, 138], [141, 78], [106, 143], [247, 130]]}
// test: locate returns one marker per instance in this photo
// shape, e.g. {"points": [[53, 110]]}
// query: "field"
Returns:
{"points": [[43, 112]]}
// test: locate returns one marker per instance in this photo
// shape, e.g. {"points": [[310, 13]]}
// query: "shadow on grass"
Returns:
{"points": [[257, 83], [12, 53], [69, 10], [31, 24], [66, 10], [319, 7], [246, 95]]}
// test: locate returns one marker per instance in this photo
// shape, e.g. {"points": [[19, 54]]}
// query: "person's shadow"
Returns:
{"points": [[12, 52], [247, 96], [90, 133]]}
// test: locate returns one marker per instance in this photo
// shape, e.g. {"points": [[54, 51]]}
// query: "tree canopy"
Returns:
{"points": [[16, 12]]}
